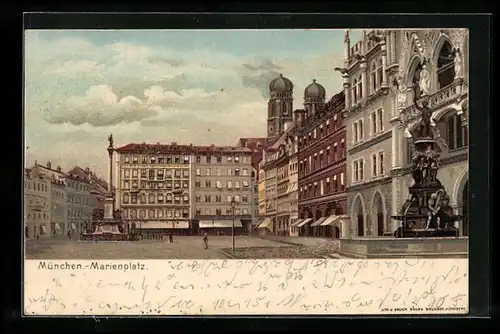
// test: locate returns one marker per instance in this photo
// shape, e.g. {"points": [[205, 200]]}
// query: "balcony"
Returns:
{"points": [[451, 94]]}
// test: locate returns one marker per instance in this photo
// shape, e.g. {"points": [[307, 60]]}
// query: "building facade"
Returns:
{"points": [[154, 187], [269, 224], [443, 55], [80, 203], [321, 163], [37, 201], [59, 207], [262, 192], [223, 189], [256, 145], [293, 182], [368, 105]]}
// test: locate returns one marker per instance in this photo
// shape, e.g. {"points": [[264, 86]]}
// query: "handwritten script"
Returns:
{"points": [[204, 287]]}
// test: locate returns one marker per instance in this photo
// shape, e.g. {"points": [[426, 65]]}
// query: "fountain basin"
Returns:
{"points": [[425, 247]]}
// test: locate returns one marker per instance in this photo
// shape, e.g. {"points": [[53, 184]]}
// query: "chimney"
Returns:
{"points": [[58, 168], [49, 165]]}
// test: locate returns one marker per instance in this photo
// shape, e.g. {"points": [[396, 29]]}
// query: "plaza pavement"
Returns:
{"points": [[185, 247]]}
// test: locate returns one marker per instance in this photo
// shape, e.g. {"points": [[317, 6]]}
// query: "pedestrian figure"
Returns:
{"points": [[205, 241], [69, 234], [170, 238]]}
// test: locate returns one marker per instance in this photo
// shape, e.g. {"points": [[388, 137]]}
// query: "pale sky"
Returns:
{"points": [[200, 87]]}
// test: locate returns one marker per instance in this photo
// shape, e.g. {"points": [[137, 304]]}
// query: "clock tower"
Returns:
{"points": [[279, 108]]}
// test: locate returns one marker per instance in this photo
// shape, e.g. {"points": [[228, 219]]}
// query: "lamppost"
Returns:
{"points": [[233, 204]]}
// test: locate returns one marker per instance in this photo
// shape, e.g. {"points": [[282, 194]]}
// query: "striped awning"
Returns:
{"points": [[297, 222], [305, 221], [330, 220], [318, 222], [266, 223]]}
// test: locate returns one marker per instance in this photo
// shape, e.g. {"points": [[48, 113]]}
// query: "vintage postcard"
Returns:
{"points": [[212, 172]]}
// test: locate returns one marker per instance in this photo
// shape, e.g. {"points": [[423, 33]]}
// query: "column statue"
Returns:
{"points": [[425, 119], [401, 92], [457, 63]]}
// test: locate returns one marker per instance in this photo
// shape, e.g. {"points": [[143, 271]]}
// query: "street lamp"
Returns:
{"points": [[233, 204]]}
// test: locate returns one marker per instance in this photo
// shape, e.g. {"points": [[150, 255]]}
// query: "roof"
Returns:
{"points": [[282, 140], [174, 148], [47, 169], [97, 183]]}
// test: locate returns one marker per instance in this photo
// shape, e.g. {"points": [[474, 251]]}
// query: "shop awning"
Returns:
{"points": [[297, 222], [175, 224], [318, 222], [266, 223], [58, 227], [330, 220], [305, 221], [206, 224], [227, 223]]}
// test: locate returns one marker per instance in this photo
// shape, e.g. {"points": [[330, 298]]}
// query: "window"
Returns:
{"points": [[186, 159], [208, 211], [152, 198], [134, 159], [457, 133], [208, 198], [142, 213], [197, 184], [219, 159], [177, 160], [229, 184], [198, 212], [169, 213], [218, 184], [208, 184], [218, 198], [229, 159], [185, 173], [126, 184], [237, 184], [354, 91], [381, 169], [198, 198], [198, 159], [169, 173], [185, 184], [160, 198], [355, 132], [380, 73], [185, 198], [244, 172], [373, 78], [361, 170], [143, 198], [177, 213], [245, 184], [160, 213], [151, 213], [229, 198], [218, 172], [208, 171], [126, 173], [244, 198], [125, 198], [218, 212], [127, 159], [198, 171], [229, 172], [374, 164], [360, 129], [445, 66], [177, 173], [133, 199], [373, 118], [209, 159], [237, 198]]}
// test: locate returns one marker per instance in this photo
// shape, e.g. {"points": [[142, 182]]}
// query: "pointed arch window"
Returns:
{"points": [[445, 65], [380, 74]]}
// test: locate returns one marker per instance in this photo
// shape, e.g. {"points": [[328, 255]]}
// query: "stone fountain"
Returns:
{"points": [[426, 212]]}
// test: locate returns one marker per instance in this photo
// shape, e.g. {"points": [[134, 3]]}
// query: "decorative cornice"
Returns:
{"points": [[370, 142], [369, 184]]}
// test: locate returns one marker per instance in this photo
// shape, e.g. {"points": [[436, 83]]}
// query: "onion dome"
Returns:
{"points": [[315, 90], [281, 85]]}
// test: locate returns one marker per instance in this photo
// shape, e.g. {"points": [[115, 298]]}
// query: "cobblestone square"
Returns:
{"points": [[185, 247]]}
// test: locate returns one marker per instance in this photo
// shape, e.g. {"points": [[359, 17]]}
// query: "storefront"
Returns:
{"points": [[221, 227]]}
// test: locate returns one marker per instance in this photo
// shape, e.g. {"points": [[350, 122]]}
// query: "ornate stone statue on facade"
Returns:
{"points": [[424, 80], [401, 92], [457, 63], [433, 208]]}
